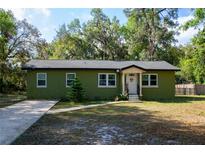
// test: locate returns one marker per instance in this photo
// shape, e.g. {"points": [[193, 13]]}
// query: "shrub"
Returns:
{"points": [[76, 94], [66, 98], [122, 97]]}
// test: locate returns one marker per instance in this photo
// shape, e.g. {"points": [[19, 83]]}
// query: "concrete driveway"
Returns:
{"points": [[15, 119]]}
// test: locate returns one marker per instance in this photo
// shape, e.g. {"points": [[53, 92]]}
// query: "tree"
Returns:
{"points": [[44, 49], [199, 19], [70, 43], [150, 32], [118, 47], [105, 36], [99, 38], [96, 33], [7, 30], [18, 42], [173, 55], [196, 57], [77, 93]]}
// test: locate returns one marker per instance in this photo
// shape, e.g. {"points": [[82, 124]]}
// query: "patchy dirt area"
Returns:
{"points": [[181, 122]]}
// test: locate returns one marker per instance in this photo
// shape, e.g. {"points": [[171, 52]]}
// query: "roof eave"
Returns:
{"points": [[48, 68], [162, 70], [131, 66]]}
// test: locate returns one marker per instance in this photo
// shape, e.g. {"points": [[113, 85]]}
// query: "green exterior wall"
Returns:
{"points": [[165, 89], [56, 85]]}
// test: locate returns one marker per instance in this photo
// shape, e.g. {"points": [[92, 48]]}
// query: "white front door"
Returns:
{"points": [[132, 83]]}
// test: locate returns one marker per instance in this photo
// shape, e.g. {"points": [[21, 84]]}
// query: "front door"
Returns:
{"points": [[132, 83]]}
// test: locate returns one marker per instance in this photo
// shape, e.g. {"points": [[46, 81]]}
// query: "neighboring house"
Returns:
{"points": [[101, 79]]}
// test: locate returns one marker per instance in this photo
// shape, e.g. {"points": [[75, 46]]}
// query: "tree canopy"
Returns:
{"points": [[18, 43], [148, 34], [99, 38], [193, 64]]}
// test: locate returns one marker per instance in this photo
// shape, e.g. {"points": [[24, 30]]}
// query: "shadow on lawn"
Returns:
{"points": [[111, 124], [182, 99], [11, 98]]}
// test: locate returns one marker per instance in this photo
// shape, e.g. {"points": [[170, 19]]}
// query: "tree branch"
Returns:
{"points": [[160, 11]]}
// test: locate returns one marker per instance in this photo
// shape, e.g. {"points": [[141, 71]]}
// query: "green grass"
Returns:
{"points": [[10, 99], [179, 121], [68, 104], [182, 99]]}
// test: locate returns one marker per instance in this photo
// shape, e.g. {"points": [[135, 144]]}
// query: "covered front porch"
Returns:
{"points": [[132, 82]]}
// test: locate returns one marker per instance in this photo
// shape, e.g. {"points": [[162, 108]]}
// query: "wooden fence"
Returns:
{"points": [[189, 89]]}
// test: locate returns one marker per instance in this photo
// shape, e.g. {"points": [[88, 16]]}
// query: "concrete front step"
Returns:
{"points": [[133, 98]]}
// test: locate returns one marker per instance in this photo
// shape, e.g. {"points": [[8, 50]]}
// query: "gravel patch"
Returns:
{"points": [[106, 134]]}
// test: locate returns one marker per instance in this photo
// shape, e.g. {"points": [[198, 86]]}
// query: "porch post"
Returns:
{"points": [[123, 83], [140, 84]]}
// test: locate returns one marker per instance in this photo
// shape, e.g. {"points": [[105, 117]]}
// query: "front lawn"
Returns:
{"points": [[68, 104], [10, 99], [179, 121]]}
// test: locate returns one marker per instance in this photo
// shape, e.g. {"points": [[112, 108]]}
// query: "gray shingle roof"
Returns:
{"points": [[97, 64]]}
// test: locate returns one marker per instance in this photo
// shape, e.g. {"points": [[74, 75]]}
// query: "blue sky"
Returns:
{"points": [[49, 20]]}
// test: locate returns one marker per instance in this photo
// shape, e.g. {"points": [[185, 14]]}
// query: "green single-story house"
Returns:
{"points": [[101, 79]]}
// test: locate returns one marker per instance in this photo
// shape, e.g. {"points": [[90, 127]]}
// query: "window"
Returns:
{"points": [[153, 80], [106, 80], [149, 80], [111, 79], [145, 80], [103, 80], [70, 77], [41, 80]]}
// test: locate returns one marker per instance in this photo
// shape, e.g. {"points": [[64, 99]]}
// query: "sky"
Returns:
{"points": [[49, 20]]}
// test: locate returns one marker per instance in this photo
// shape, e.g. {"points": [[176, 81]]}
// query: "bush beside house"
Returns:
{"points": [[77, 93]]}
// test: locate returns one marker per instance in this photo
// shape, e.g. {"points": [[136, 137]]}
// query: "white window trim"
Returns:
{"points": [[67, 79], [149, 81], [107, 86], [37, 81]]}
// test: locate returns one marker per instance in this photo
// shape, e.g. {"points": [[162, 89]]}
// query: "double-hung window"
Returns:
{"points": [[106, 80], [145, 80], [150, 80], [41, 80], [102, 80], [153, 80], [70, 77], [111, 79]]}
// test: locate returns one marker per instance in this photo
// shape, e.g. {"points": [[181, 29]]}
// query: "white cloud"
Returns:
{"points": [[18, 13], [45, 12], [22, 13], [185, 36], [40, 18]]}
